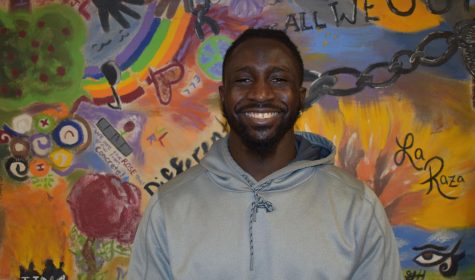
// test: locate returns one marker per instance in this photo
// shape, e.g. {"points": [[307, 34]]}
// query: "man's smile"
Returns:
{"points": [[260, 112], [261, 115], [258, 115]]}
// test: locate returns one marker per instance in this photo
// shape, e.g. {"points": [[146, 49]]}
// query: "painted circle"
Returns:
{"points": [[22, 123], [19, 147], [68, 134], [39, 167], [210, 55], [44, 123], [4, 137], [40, 144], [61, 158], [17, 168]]}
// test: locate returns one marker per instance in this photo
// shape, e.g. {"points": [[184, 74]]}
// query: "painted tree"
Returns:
{"points": [[103, 207], [41, 56]]}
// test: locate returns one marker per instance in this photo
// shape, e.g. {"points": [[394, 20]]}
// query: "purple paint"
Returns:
{"points": [[133, 45], [246, 8]]}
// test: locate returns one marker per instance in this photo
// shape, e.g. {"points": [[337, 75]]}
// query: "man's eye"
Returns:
{"points": [[243, 81], [278, 80]]}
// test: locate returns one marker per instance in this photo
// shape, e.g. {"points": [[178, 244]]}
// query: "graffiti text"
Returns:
{"points": [[434, 166]]}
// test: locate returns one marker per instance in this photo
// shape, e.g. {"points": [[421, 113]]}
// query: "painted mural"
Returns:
{"points": [[103, 101]]}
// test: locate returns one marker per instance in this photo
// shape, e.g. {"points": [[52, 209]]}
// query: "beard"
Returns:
{"points": [[261, 146]]}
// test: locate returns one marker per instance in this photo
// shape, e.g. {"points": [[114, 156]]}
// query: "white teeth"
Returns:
{"points": [[261, 115]]}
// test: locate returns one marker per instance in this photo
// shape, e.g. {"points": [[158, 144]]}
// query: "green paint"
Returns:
{"points": [[91, 82], [153, 47], [41, 56], [124, 75], [210, 55], [44, 123], [45, 182]]}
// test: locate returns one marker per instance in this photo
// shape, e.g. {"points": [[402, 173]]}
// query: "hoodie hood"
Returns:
{"points": [[312, 150]]}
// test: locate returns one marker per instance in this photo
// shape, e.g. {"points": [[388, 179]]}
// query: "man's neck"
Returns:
{"points": [[261, 165]]}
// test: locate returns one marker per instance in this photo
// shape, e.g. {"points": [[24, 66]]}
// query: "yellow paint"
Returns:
{"points": [[61, 158], [117, 268], [421, 19], [373, 128], [167, 49]]}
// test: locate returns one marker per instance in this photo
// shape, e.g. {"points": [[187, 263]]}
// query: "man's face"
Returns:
{"points": [[261, 94]]}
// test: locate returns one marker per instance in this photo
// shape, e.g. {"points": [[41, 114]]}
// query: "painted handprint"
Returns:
{"points": [[115, 8]]}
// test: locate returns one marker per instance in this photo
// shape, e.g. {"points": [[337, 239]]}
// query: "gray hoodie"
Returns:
{"points": [[308, 220]]}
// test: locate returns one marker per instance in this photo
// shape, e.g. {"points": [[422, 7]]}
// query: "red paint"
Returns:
{"points": [[125, 98], [78, 102], [5, 137], [22, 34], [163, 79], [66, 31], [40, 24], [105, 207], [11, 56], [61, 71], [35, 43], [34, 58], [51, 48], [15, 72], [161, 138], [83, 9], [129, 126], [44, 123], [43, 77]]}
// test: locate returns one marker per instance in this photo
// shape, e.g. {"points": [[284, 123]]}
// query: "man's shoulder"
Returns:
{"points": [[345, 182], [182, 181]]}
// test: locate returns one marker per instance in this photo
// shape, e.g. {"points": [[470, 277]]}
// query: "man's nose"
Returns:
{"points": [[261, 91]]}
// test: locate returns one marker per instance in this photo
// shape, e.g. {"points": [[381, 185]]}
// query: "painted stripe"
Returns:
{"points": [[168, 37]]}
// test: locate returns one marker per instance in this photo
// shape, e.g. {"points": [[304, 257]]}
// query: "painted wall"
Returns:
{"points": [[103, 101]]}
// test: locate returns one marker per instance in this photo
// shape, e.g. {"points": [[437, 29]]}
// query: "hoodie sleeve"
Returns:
{"points": [[149, 259], [379, 256]]}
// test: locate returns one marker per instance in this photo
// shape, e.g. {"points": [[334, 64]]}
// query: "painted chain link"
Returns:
{"points": [[403, 62]]}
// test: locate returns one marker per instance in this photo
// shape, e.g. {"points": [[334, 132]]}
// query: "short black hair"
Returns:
{"points": [[266, 33]]}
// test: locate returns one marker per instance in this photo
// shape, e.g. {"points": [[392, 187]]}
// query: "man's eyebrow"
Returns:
{"points": [[242, 69], [280, 69], [274, 69]]}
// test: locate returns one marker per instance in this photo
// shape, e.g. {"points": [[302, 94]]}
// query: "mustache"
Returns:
{"points": [[260, 105]]}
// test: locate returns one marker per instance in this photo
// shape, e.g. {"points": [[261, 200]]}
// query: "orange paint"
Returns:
{"points": [[39, 167], [37, 228], [369, 152], [60, 111], [420, 19]]}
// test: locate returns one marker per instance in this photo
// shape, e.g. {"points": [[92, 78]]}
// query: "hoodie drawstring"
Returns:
{"points": [[258, 202]]}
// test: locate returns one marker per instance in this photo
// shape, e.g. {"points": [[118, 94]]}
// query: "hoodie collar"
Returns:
{"points": [[312, 150]]}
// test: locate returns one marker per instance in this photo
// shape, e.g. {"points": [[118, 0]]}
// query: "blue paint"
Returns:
{"points": [[146, 41], [410, 237], [57, 137]]}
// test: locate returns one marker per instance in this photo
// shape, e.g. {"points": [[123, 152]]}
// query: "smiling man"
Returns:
{"points": [[265, 202]]}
